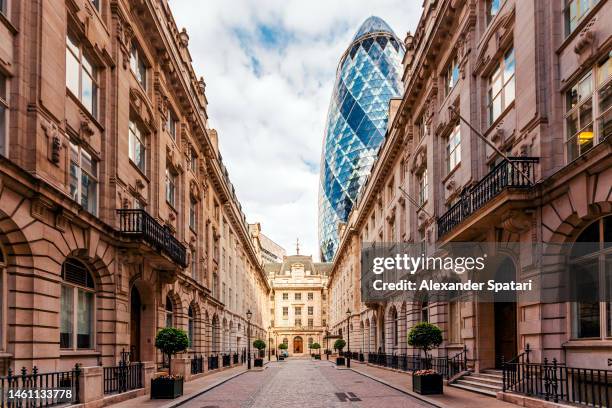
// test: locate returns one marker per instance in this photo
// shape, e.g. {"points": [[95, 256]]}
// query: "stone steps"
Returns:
{"points": [[487, 382]]}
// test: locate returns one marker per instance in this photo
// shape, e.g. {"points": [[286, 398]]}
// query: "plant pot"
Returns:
{"points": [[317, 356], [340, 361], [427, 384], [166, 388], [259, 362]]}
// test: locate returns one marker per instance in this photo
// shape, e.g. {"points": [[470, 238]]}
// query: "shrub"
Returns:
{"points": [[171, 341], [339, 344], [259, 344], [425, 336], [283, 346], [315, 346]]}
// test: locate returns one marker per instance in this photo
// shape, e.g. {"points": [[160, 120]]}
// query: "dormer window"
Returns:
{"points": [[138, 65]]}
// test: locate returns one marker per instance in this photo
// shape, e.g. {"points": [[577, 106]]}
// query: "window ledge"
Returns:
{"points": [[499, 119], [587, 343], [79, 353], [142, 174], [450, 173]]}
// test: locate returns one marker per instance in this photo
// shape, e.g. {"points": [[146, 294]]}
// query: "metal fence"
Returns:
{"points": [[447, 366], [197, 364], [33, 383], [123, 377], [213, 362]]}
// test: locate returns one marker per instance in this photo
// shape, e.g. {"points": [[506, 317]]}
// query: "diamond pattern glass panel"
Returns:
{"points": [[369, 74]]}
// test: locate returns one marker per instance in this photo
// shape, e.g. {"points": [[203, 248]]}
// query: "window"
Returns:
{"points": [[575, 10], [170, 187], [193, 161], [81, 76], [193, 213], [492, 9], [423, 186], [83, 178], [310, 322], [4, 109], [298, 322], [501, 86], [582, 104], [298, 310], [395, 326], [425, 311], [451, 75], [590, 265], [96, 4], [194, 263], [137, 149], [324, 322], [171, 125], [138, 65], [453, 149], [285, 311], [285, 296], [310, 296], [4, 7], [190, 328], [454, 312], [422, 126], [3, 296], [298, 296], [310, 310], [77, 306], [169, 312]]}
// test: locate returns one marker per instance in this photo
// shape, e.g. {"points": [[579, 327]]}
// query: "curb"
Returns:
{"points": [[413, 395], [204, 390]]}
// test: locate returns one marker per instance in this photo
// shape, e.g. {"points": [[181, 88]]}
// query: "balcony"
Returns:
{"points": [[138, 223], [502, 177]]}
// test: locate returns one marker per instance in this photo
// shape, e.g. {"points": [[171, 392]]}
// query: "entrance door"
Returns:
{"points": [[135, 308], [506, 346], [298, 345]]}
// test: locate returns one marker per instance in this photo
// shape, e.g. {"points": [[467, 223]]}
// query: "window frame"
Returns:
{"points": [[4, 113], [423, 184], [451, 75], [76, 289], [505, 84], [139, 65], [171, 184], [75, 49], [137, 139], [193, 214], [567, 18], [80, 152], [453, 149]]}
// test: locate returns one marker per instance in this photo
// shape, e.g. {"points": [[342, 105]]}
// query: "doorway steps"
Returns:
{"points": [[487, 382]]}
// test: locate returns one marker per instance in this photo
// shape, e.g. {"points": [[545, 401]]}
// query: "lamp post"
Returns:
{"points": [[348, 337], [327, 341], [269, 343], [249, 315]]}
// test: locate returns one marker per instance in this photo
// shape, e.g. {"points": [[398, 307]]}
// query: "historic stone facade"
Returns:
{"points": [[117, 215], [534, 79], [298, 303]]}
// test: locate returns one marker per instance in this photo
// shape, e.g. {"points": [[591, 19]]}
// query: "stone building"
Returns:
{"points": [[269, 251], [535, 79], [117, 215], [298, 303]]}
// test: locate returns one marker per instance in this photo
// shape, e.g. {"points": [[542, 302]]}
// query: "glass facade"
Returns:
{"points": [[368, 76]]}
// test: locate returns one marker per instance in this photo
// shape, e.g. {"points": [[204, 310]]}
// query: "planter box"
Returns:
{"points": [[427, 384], [317, 356], [281, 358], [259, 362], [339, 361], [166, 388]]}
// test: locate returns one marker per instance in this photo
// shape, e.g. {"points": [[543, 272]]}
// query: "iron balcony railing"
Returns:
{"points": [[135, 222], [32, 389], [123, 377], [503, 176]]}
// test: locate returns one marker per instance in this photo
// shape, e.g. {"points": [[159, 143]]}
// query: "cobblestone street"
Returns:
{"points": [[303, 383]]}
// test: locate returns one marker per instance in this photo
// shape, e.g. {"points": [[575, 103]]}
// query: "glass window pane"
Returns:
{"points": [[72, 73], [67, 302], [509, 92], [85, 320], [87, 97], [604, 70]]}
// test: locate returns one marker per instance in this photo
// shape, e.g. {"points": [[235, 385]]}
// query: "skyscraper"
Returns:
{"points": [[368, 76]]}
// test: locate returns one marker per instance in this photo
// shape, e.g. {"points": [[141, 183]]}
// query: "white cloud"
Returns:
{"points": [[269, 91]]}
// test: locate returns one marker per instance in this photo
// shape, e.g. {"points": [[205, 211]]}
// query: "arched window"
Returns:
{"points": [[591, 255], [169, 312], [190, 329], [77, 306]]}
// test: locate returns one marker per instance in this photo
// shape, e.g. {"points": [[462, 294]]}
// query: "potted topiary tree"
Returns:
{"points": [[426, 336], [283, 347], [259, 344], [339, 345], [316, 346], [169, 341]]}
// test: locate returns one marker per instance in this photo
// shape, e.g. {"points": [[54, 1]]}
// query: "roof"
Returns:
{"points": [[317, 268], [372, 24]]}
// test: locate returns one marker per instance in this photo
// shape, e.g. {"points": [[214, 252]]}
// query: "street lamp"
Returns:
{"points": [[327, 341], [249, 315], [348, 337], [269, 343]]}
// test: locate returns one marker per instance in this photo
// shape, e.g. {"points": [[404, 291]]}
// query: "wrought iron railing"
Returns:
{"points": [[556, 382], [23, 384], [448, 367], [235, 358], [197, 364], [213, 362], [502, 176], [123, 377], [139, 222], [226, 360]]}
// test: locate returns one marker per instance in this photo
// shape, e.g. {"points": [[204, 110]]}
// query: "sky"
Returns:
{"points": [[269, 68]]}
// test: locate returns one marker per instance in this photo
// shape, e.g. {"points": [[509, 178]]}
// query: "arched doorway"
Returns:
{"points": [[504, 310], [135, 319], [298, 345]]}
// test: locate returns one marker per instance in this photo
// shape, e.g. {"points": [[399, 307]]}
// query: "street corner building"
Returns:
{"points": [[534, 78], [298, 303], [367, 78], [117, 214]]}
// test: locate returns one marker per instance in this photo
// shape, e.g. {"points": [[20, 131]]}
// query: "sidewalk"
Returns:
{"points": [[191, 389], [452, 397]]}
